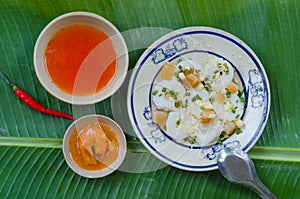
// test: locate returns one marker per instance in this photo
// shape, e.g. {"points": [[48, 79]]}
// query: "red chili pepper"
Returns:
{"points": [[32, 103]]}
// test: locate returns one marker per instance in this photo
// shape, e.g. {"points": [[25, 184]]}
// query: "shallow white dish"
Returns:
{"points": [[103, 172], [197, 42], [81, 18]]}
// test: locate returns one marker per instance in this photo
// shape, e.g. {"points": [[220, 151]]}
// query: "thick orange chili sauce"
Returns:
{"points": [[80, 59], [83, 158]]}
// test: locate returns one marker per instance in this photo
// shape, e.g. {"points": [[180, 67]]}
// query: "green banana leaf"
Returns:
{"points": [[31, 159]]}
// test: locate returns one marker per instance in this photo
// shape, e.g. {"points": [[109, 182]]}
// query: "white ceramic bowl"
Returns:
{"points": [[103, 172], [199, 44], [89, 19]]}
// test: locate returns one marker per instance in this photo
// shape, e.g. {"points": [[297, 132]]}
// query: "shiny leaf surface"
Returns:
{"points": [[31, 159]]}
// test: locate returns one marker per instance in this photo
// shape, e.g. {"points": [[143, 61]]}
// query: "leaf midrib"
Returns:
{"points": [[31, 142], [257, 152]]}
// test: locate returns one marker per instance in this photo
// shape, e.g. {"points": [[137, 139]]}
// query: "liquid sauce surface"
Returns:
{"points": [[80, 59], [94, 154]]}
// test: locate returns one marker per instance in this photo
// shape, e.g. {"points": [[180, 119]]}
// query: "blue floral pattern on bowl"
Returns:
{"points": [[256, 88], [162, 54], [211, 153]]}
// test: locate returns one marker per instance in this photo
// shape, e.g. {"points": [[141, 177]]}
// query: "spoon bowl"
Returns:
{"points": [[236, 166]]}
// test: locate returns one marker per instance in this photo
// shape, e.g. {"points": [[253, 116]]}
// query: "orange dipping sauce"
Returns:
{"points": [[80, 59]]}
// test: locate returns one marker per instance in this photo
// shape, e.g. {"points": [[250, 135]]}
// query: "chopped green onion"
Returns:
{"points": [[211, 99], [197, 71], [172, 92], [187, 94], [176, 75], [164, 89], [233, 110], [178, 122], [186, 102], [175, 97], [195, 98], [179, 60], [219, 140], [202, 107], [240, 93], [154, 92], [242, 99], [226, 69], [191, 139], [180, 67], [238, 131], [228, 94]]}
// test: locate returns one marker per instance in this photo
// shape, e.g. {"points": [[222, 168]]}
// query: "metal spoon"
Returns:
{"points": [[235, 165]]}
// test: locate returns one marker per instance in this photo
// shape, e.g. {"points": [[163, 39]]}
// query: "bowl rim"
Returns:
{"points": [[109, 169], [114, 84]]}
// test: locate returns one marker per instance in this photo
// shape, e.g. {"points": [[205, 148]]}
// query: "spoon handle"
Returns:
{"points": [[262, 190]]}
